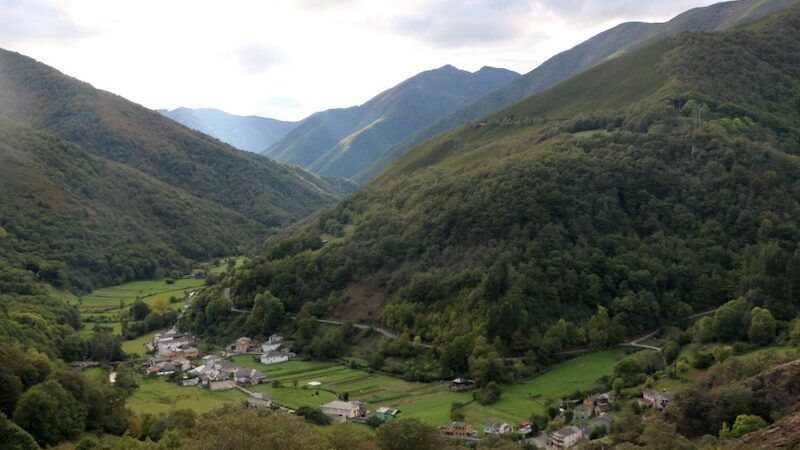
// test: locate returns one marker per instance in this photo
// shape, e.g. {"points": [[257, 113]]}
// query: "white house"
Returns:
{"points": [[274, 357], [273, 343], [566, 437], [340, 411], [497, 428]]}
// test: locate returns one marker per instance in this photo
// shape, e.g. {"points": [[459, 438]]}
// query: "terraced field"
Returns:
{"points": [[430, 402], [148, 291]]}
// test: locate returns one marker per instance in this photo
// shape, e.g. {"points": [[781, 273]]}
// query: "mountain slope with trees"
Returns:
{"points": [[658, 184], [251, 133], [78, 220], [621, 39], [110, 126], [341, 142]]}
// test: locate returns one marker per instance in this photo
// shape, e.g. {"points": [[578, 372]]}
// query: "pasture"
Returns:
{"points": [[155, 395], [430, 402], [126, 294]]}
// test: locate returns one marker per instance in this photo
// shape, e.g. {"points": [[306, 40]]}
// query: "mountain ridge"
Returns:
{"points": [[610, 43], [341, 141], [251, 133]]}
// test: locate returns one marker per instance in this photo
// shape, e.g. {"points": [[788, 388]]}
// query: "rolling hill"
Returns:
{"points": [[110, 126], [251, 133], [99, 190], [661, 182], [608, 44], [342, 142]]}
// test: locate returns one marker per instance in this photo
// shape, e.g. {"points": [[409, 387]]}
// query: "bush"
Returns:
{"points": [[313, 415], [488, 394]]}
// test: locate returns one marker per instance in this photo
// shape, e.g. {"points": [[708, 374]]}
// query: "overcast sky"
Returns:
{"points": [[288, 58]]}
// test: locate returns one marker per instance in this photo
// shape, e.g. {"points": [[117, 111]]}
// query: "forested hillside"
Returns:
{"points": [[110, 126], [661, 183], [251, 133], [608, 44], [97, 190], [342, 142], [79, 221]]}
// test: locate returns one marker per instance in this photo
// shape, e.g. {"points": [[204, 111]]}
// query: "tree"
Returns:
{"points": [[597, 329], [267, 315], [661, 435], [729, 320], [762, 326], [406, 434], [794, 331], [49, 413], [488, 394], [253, 430], [485, 364], [160, 306], [703, 330], [12, 437], [139, 310], [745, 424]]}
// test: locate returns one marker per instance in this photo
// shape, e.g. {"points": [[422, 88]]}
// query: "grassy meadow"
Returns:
{"points": [[430, 402], [156, 395]]}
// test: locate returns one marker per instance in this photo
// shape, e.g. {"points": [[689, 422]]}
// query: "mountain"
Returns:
{"points": [[251, 133], [608, 44], [658, 183], [103, 190], [342, 142]]}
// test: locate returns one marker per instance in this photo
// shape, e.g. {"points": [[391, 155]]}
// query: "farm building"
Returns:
{"points": [[340, 411]]}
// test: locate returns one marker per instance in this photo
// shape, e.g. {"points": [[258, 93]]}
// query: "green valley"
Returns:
{"points": [[601, 254]]}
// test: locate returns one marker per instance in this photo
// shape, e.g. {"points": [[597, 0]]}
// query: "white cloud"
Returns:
{"points": [[37, 21], [258, 58], [287, 59]]}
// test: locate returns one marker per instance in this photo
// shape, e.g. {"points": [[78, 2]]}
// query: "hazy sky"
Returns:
{"points": [[289, 58]]}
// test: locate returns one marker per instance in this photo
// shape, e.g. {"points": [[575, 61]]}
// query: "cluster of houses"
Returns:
{"points": [[272, 351], [218, 374], [172, 350]]}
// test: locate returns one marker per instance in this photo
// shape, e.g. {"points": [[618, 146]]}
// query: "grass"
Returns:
{"points": [[136, 346], [223, 265], [155, 395], [430, 402], [127, 293]]}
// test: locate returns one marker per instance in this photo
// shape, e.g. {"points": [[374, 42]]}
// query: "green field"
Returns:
{"points": [[223, 265], [127, 293], [155, 395], [430, 402], [136, 346]]}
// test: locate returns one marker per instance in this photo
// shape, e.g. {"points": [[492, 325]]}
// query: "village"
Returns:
{"points": [[176, 357]]}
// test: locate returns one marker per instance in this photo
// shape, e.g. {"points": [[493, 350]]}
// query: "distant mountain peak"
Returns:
{"points": [[342, 142], [250, 133]]}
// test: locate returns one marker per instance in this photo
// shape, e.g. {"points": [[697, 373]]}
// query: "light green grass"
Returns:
{"points": [[136, 346], [148, 291], [430, 402], [520, 400], [155, 395], [88, 327], [223, 265]]}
